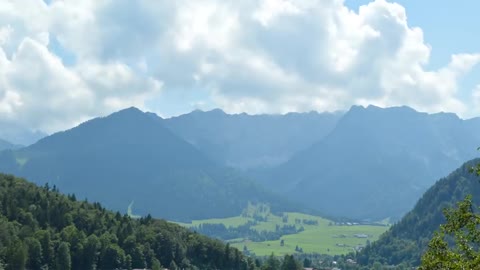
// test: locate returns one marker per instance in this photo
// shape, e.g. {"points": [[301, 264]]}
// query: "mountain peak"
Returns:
{"points": [[126, 124], [374, 108], [131, 156], [447, 115], [129, 110], [358, 111], [216, 111], [132, 114]]}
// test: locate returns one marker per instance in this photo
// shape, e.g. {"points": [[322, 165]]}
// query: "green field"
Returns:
{"points": [[324, 238]]}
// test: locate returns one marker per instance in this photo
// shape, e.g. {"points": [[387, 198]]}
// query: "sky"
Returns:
{"points": [[65, 61]]}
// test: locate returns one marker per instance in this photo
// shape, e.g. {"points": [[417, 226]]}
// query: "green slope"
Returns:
{"points": [[407, 240], [39, 227]]}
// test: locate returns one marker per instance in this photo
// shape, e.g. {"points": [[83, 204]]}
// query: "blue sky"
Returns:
{"points": [[67, 61], [449, 27]]}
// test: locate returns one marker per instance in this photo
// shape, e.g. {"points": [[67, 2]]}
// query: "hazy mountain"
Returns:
{"points": [[252, 141], [4, 145], [377, 162], [17, 134], [130, 156], [407, 240]]}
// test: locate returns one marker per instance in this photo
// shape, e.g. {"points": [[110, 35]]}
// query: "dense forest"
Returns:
{"points": [[407, 240], [223, 232], [42, 229]]}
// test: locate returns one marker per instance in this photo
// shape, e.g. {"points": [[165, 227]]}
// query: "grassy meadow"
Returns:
{"points": [[323, 237]]}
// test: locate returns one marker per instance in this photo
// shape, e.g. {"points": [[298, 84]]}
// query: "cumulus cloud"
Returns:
{"points": [[42, 93], [257, 56]]}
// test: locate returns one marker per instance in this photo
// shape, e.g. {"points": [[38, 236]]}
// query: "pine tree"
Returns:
{"points": [[272, 263], [64, 260], [48, 251], [289, 263], [173, 266], [16, 257], [113, 257], [34, 254], [90, 253], [156, 264], [128, 262]]}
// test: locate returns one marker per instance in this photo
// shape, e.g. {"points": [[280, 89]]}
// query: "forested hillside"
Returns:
{"points": [[43, 229], [407, 240], [131, 157]]}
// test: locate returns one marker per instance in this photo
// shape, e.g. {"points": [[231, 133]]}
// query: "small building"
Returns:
{"points": [[350, 261]]}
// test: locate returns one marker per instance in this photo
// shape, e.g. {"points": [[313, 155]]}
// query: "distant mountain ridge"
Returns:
{"points": [[377, 162], [369, 163], [4, 145], [17, 134], [131, 156], [252, 141]]}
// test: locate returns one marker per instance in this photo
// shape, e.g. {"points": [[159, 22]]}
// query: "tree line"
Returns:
{"points": [[42, 229]]}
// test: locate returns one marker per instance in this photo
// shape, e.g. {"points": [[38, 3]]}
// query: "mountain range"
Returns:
{"points": [[4, 145], [252, 141], [131, 158], [369, 163], [376, 162]]}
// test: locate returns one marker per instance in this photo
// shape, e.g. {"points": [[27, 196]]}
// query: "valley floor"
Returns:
{"points": [[313, 234]]}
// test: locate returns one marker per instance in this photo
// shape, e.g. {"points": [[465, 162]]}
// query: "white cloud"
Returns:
{"points": [[41, 93], [254, 55], [20, 19], [271, 9], [116, 86]]}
